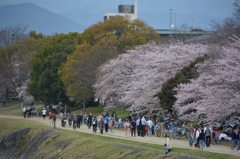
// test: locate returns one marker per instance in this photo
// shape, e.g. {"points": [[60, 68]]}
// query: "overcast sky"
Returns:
{"points": [[185, 11]]}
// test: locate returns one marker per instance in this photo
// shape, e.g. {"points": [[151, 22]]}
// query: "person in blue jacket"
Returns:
{"points": [[106, 121]]}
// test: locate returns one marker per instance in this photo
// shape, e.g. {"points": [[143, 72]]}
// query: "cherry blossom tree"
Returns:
{"points": [[15, 74], [216, 93], [132, 80], [23, 94]]}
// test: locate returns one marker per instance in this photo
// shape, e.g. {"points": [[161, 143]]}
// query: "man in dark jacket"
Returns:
{"points": [[235, 137], [133, 128], [79, 119], [70, 118], [90, 119], [208, 134]]}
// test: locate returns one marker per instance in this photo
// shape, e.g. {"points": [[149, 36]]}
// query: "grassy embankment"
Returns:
{"points": [[74, 144], [71, 144]]}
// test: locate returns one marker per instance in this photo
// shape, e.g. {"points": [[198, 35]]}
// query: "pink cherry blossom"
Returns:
{"points": [[132, 80]]}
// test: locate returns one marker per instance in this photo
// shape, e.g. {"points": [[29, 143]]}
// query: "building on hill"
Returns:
{"points": [[125, 11], [166, 35]]}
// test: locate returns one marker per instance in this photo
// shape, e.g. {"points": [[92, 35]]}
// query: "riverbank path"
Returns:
{"points": [[121, 134]]}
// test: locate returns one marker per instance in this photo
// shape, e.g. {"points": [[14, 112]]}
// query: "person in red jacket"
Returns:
{"points": [[50, 119], [54, 120]]}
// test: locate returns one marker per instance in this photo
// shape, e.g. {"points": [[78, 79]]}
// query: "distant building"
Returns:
{"points": [[129, 11], [192, 36]]}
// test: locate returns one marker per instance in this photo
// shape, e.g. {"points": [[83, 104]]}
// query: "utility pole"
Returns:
{"points": [[175, 22], [170, 19]]}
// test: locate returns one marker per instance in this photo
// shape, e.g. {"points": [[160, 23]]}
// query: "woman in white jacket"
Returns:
{"points": [[196, 135]]}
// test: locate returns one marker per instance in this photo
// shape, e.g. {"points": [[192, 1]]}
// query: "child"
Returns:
{"points": [[168, 142], [166, 149]]}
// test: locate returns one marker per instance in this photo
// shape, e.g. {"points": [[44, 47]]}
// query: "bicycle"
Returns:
{"points": [[180, 133], [157, 130]]}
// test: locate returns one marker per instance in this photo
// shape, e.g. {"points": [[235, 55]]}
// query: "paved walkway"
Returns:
{"points": [[120, 134]]}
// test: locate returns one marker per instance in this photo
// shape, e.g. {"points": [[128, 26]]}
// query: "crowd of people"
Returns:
{"points": [[199, 136], [103, 123], [203, 136], [29, 112]]}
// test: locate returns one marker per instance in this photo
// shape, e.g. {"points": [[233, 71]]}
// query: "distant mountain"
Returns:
{"points": [[37, 18]]}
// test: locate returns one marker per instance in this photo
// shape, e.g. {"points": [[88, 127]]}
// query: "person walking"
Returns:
{"points": [[120, 123], [111, 125], [90, 118], [70, 118], [142, 126], [24, 112], [99, 118], [50, 119], [166, 149], [44, 113], [127, 127], [85, 118], [54, 120], [195, 136], [201, 139], [235, 137], [137, 125], [169, 144], [79, 119], [106, 121], [190, 135], [61, 116], [239, 138], [133, 128], [94, 124], [208, 134], [149, 125], [102, 125], [75, 122]]}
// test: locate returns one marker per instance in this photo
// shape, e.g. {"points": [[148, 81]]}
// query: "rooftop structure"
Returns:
{"points": [[129, 11], [177, 32], [191, 36]]}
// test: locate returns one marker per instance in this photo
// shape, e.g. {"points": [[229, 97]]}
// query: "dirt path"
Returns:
{"points": [[120, 134]]}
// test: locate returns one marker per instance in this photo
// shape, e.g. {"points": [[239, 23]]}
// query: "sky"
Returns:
{"points": [[196, 13]]}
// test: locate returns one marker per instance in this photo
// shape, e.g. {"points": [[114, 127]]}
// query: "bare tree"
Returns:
{"points": [[229, 26], [11, 34]]}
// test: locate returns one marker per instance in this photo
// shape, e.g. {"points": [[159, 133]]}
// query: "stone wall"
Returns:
{"points": [[9, 143]]}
